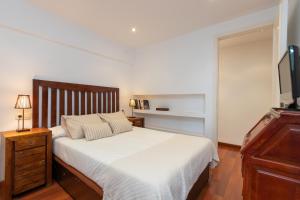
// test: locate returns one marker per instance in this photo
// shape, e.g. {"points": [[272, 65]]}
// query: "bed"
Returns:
{"points": [[139, 164]]}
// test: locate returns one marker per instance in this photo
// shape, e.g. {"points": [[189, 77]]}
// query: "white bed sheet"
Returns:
{"points": [[140, 164]]}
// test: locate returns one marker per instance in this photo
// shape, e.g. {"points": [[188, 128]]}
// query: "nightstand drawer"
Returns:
{"points": [[137, 123], [30, 169], [30, 156], [20, 175], [24, 183], [27, 143]]}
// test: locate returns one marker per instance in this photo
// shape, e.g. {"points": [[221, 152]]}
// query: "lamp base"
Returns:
{"points": [[23, 130]]}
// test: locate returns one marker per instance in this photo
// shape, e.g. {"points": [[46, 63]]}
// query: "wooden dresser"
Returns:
{"points": [[137, 121], [28, 160], [271, 157]]}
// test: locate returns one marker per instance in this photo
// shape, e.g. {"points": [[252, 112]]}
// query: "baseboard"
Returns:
{"points": [[234, 146]]}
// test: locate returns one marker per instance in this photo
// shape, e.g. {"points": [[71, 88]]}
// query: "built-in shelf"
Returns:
{"points": [[186, 115], [170, 113]]}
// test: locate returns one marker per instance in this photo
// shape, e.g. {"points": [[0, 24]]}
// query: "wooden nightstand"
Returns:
{"points": [[137, 121], [28, 160]]}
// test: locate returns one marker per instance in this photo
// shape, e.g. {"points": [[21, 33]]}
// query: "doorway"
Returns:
{"points": [[245, 82]]}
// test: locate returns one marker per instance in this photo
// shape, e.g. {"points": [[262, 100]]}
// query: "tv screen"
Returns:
{"points": [[285, 80], [289, 76]]}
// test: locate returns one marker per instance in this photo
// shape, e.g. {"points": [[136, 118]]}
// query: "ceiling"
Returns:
{"points": [[254, 35], [154, 20]]}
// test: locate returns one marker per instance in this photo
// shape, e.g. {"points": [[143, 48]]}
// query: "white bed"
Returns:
{"points": [[140, 164]]}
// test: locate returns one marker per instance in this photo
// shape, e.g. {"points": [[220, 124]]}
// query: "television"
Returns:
{"points": [[289, 78]]}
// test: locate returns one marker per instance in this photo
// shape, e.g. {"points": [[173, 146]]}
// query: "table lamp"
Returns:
{"points": [[23, 102], [132, 105]]}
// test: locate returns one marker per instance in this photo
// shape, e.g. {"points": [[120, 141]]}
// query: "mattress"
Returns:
{"points": [[140, 164]]}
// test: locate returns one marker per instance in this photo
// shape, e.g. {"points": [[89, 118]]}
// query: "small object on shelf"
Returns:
{"points": [[141, 104], [136, 104], [23, 102], [146, 104], [162, 109], [137, 121], [132, 105]]}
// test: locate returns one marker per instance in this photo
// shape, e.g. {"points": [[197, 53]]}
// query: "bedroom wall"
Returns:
{"points": [[189, 64], [245, 87], [283, 27], [294, 22], [35, 44]]}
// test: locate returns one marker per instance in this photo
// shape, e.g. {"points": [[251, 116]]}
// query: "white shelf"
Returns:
{"points": [[170, 113]]}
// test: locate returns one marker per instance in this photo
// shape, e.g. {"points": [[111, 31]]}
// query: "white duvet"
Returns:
{"points": [[141, 164]]}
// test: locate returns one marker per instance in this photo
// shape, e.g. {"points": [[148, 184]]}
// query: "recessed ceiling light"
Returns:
{"points": [[133, 29]]}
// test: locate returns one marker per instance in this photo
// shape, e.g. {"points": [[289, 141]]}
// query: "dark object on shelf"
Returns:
{"points": [[162, 109], [136, 104], [139, 104], [146, 104]]}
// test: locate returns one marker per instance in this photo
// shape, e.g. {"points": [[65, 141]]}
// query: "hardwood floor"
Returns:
{"points": [[225, 181]]}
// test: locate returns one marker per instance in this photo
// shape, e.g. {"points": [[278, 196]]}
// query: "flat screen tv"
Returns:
{"points": [[289, 78]]}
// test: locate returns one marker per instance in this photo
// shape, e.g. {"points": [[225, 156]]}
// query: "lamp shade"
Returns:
{"points": [[23, 102], [132, 103]]}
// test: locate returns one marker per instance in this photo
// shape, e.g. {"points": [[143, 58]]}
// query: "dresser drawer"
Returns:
{"points": [[29, 157], [28, 143]]}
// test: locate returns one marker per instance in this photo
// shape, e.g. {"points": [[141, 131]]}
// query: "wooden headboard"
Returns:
{"points": [[52, 99]]}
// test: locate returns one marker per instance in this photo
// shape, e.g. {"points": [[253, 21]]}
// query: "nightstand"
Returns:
{"points": [[137, 121], [28, 160]]}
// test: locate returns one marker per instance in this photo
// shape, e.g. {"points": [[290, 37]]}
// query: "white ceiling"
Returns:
{"points": [[155, 20]]}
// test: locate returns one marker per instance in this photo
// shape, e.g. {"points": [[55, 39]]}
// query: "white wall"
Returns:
{"points": [[283, 27], [294, 22], [35, 44], [189, 64], [245, 88], [280, 43]]}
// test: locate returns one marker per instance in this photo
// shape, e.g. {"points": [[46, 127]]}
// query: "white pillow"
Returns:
{"points": [[120, 125], [117, 122], [96, 131], [114, 115], [74, 129], [75, 124], [58, 131]]}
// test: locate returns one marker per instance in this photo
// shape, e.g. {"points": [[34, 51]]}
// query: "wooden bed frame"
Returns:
{"points": [[77, 99]]}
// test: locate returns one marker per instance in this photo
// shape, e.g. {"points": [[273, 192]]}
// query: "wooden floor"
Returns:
{"points": [[225, 181]]}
